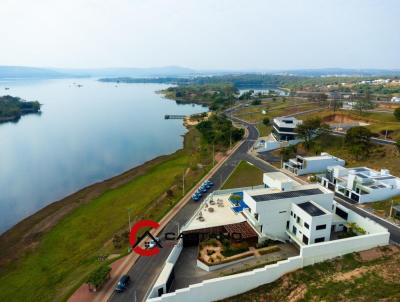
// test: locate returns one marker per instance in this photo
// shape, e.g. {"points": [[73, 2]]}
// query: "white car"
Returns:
{"points": [[152, 243]]}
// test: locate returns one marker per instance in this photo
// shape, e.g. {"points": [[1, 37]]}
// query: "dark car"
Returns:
{"points": [[122, 283]]}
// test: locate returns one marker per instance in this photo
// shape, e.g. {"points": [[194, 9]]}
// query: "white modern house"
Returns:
{"points": [[309, 223], [283, 134], [280, 209], [361, 184], [269, 208], [312, 164]]}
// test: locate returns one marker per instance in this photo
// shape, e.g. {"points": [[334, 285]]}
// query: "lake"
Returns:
{"points": [[84, 135]]}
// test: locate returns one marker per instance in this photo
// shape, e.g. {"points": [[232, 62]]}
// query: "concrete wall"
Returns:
{"points": [[220, 288], [210, 268], [319, 252], [162, 279]]}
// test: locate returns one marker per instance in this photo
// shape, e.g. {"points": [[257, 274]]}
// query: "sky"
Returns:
{"points": [[201, 34]]}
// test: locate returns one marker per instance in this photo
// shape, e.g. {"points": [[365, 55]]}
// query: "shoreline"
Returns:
{"points": [[26, 234]]}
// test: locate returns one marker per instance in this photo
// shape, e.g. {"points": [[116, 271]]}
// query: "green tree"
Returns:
{"points": [[288, 152], [358, 141], [266, 121], [396, 113], [364, 103], [309, 130]]}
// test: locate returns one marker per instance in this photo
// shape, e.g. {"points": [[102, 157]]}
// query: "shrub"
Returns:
{"points": [[99, 276]]}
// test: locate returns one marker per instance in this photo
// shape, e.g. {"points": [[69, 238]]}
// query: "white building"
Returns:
{"points": [[283, 134], [268, 209], [361, 184], [280, 209], [309, 223], [284, 128], [395, 99], [312, 164]]}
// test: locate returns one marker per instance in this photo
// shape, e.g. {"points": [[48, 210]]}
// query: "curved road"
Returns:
{"points": [[146, 270]]}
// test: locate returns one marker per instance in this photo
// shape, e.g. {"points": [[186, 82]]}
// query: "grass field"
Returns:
{"points": [[378, 122], [244, 175], [67, 253], [273, 109], [353, 277]]}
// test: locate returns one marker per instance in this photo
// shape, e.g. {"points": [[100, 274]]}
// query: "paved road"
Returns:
{"points": [[145, 271]]}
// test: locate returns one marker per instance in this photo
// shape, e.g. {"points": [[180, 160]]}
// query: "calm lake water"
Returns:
{"points": [[84, 135]]}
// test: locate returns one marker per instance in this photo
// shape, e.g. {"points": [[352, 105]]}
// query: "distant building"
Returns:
{"points": [[395, 99], [312, 164], [284, 128], [361, 184], [283, 134]]}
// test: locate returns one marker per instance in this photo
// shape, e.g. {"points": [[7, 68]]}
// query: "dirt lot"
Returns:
{"points": [[366, 276]]}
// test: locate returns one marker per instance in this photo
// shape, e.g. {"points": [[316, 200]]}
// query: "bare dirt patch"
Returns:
{"points": [[298, 293]]}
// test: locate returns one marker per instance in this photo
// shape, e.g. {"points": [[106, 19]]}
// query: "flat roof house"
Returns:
{"points": [[361, 184], [309, 223], [268, 209], [284, 128], [312, 164]]}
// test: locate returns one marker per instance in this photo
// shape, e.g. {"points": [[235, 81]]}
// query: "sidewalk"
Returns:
{"points": [[123, 265]]}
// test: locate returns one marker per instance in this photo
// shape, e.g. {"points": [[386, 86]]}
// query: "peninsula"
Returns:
{"points": [[12, 108]]}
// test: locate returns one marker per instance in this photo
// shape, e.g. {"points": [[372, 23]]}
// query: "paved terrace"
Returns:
{"points": [[187, 272]]}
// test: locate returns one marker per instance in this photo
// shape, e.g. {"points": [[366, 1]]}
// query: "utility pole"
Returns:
{"points": [[129, 218], [213, 154], [183, 183], [391, 209]]}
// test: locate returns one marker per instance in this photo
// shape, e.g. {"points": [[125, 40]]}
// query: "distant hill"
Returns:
{"points": [[12, 72], [132, 72], [340, 72]]}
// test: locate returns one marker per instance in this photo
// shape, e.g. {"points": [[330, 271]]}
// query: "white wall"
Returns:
{"points": [[162, 279], [319, 252], [319, 166], [220, 288]]}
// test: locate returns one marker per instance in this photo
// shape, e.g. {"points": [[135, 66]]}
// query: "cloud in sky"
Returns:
{"points": [[223, 34]]}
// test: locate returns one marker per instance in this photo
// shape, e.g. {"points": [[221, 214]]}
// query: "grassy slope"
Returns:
{"points": [[68, 252], [343, 279], [243, 176]]}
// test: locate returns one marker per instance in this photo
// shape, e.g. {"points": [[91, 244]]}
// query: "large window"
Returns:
{"points": [[320, 239], [294, 230], [341, 213], [287, 224], [321, 227], [306, 225], [305, 239]]}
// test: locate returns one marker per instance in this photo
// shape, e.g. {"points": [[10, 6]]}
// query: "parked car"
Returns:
{"points": [[210, 183], [196, 197], [202, 189], [152, 243], [122, 283]]}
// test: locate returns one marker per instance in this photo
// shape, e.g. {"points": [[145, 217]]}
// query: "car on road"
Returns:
{"points": [[152, 243], [196, 197], [123, 283]]}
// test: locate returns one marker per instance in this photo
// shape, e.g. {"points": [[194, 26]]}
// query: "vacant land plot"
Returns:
{"points": [[244, 175], [367, 276]]}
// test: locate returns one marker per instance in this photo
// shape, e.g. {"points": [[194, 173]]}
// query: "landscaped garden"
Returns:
{"points": [[218, 251]]}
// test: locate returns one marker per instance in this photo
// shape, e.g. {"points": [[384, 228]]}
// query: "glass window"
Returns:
{"points": [[321, 227]]}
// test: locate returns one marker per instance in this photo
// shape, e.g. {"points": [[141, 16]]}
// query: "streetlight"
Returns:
{"points": [[177, 224], [129, 218], [183, 183]]}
